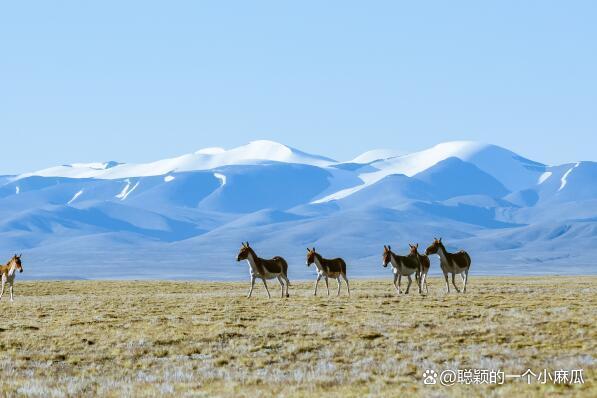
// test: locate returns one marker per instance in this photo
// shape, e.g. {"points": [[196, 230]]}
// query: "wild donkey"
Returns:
{"points": [[8, 273], [425, 265], [264, 269], [402, 265], [327, 268], [456, 263]]}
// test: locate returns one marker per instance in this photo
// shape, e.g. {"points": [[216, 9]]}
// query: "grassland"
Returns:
{"points": [[206, 339]]}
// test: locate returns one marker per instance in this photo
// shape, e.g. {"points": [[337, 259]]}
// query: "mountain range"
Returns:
{"points": [[185, 218]]}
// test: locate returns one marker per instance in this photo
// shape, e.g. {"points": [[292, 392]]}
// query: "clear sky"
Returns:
{"points": [[141, 80]]}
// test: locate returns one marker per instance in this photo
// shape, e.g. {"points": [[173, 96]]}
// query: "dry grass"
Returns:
{"points": [[207, 339]]}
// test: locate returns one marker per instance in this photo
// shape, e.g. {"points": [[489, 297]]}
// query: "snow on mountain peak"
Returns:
{"points": [[513, 171], [96, 166], [204, 159], [211, 151], [263, 149], [376, 154]]}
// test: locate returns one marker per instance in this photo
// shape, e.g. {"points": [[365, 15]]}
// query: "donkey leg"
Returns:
{"points": [[425, 280], [347, 285], [338, 280], [396, 283], [316, 283], [447, 284], [454, 282], [266, 289], [410, 281], [287, 284], [465, 279], [419, 280], [281, 286], [327, 284], [252, 286], [2, 291], [11, 298]]}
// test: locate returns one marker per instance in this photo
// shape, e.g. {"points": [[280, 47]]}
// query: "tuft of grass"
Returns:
{"points": [[142, 338]]}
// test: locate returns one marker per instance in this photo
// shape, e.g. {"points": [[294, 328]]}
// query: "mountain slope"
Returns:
{"points": [[453, 177]]}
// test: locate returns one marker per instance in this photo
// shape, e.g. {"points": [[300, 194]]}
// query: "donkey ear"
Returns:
{"points": [[385, 247], [389, 247], [440, 240], [313, 249], [416, 245]]}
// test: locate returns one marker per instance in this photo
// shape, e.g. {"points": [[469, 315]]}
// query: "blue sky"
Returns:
{"points": [[138, 81]]}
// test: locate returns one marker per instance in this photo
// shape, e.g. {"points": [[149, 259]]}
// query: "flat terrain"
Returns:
{"points": [[206, 339]]}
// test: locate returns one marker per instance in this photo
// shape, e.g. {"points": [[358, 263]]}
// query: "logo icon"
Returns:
{"points": [[429, 377]]}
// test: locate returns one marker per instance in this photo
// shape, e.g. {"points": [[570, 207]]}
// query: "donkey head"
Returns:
{"points": [[414, 249], [243, 254], [310, 256], [17, 260], [386, 255], [434, 247]]}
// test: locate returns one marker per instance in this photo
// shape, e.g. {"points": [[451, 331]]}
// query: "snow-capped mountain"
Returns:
{"points": [[204, 159], [190, 213]]}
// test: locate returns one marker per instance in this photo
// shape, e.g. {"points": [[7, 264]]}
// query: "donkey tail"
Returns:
{"points": [[343, 265]]}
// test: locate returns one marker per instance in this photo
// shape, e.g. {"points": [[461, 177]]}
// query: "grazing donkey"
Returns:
{"points": [[264, 269], [8, 273], [402, 265], [425, 264], [327, 268], [456, 263]]}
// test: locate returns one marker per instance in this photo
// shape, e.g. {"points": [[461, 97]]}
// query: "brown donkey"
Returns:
{"points": [[327, 268], [425, 265], [8, 273], [264, 269], [455, 263], [402, 266]]}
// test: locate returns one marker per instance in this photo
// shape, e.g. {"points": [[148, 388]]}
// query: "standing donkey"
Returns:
{"points": [[327, 268], [8, 273], [456, 263], [402, 265], [425, 265], [264, 269]]}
